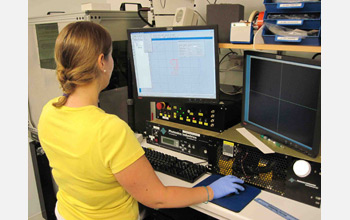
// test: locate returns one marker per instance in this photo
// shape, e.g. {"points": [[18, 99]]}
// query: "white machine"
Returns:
{"points": [[185, 17], [241, 33], [164, 11]]}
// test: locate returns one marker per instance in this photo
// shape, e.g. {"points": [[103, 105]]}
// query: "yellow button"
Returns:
{"points": [[191, 113], [161, 114], [194, 121], [229, 143], [189, 120], [200, 122], [181, 118], [205, 123], [200, 114]]}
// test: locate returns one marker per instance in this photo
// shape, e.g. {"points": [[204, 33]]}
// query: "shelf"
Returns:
{"points": [[277, 47], [236, 46]]}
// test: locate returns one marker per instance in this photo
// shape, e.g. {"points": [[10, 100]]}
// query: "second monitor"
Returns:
{"points": [[175, 63], [282, 100]]}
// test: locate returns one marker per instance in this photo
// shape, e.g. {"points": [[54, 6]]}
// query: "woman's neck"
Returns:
{"points": [[84, 95]]}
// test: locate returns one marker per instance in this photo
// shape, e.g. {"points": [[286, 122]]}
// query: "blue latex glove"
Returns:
{"points": [[226, 185]]}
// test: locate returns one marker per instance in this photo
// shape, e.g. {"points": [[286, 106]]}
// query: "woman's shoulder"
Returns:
{"points": [[114, 127], [113, 120], [49, 105]]}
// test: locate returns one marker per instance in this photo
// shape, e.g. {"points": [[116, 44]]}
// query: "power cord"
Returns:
{"points": [[200, 16], [231, 68], [227, 55], [163, 5], [236, 90], [142, 18], [212, 3]]}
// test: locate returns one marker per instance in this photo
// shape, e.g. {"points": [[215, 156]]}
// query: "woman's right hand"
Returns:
{"points": [[226, 185]]}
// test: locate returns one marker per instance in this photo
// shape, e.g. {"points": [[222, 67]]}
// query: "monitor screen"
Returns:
{"points": [[282, 100], [175, 63]]}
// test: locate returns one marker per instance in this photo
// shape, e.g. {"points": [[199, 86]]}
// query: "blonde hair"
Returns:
{"points": [[77, 49]]}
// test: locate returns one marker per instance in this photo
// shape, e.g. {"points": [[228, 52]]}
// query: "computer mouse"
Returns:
{"points": [[244, 186], [239, 191]]}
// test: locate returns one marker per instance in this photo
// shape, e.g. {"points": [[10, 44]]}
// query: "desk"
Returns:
{"points": [[252, 211]]}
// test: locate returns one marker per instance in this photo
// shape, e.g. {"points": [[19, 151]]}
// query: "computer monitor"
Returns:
{"points": [[282, 100], [175, 63]]}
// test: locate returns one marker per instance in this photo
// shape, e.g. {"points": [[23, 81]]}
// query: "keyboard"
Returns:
{"points": [[182, 169]]}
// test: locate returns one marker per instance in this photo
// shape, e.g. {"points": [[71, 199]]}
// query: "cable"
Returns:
{"points": [[317, 54], [142, 18], [212, 3], [200, 16], [231, 68], [238, 91], [227, 55], [209, 2], [163, 6], [242, 159]]}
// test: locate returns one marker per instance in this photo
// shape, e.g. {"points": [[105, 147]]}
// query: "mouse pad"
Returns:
{"points": [[233, 202]]}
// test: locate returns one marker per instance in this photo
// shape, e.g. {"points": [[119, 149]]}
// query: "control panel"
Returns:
{"points": [[214, 117], [175, 139]]}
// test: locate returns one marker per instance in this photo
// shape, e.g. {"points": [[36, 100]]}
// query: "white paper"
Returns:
{"points": [[255, 141]]}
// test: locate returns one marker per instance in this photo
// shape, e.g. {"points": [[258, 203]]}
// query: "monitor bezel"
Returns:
{"points": [[176, 99], [316, 145]]}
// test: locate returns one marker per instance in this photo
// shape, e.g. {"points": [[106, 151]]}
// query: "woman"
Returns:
{"points": [[99, 166]]}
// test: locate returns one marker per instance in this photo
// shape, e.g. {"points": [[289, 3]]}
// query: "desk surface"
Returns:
{"points": [[252, 211]]}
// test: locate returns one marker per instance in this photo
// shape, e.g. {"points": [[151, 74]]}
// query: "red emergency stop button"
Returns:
{"points": [[160, 105]]}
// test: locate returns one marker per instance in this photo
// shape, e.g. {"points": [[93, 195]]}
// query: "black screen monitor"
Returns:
{"points": [[175, 63], [282, 100]]}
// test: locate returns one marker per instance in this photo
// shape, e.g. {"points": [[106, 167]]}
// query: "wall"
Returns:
{"points": [[37, 8]]}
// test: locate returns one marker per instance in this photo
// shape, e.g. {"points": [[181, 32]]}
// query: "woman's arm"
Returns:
{"points": [[140, 180]]}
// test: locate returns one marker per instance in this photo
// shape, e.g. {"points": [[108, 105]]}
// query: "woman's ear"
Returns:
{"points": [[101, 62]]}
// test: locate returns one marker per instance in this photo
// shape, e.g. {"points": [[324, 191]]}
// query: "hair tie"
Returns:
{"points": [[65, 95]]}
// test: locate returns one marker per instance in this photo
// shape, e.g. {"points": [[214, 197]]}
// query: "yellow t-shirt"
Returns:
{"points": [[85, 146]]}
